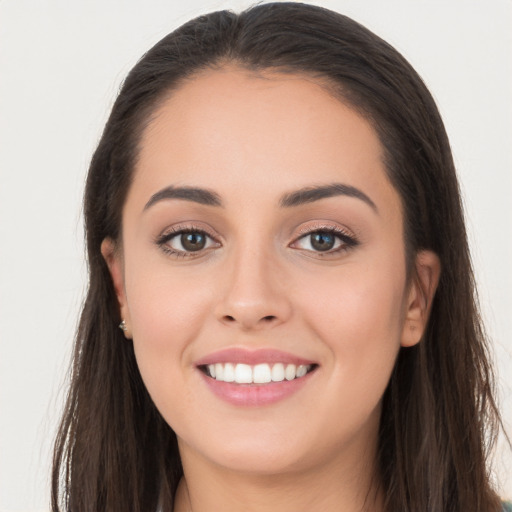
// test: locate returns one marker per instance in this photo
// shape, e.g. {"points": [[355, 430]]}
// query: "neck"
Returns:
{"points": [[347, 485]]}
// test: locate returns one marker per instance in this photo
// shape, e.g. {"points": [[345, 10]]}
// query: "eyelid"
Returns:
{"points": [[171, 232], [346, 236], [182, 227], [312, 227]]}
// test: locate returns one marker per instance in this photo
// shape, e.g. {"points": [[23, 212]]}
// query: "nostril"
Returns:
{"points": [[265, 319]]}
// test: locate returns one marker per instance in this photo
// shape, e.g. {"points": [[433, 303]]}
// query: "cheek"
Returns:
{"points": [[359, 316], [167, 312], [163, 301]]}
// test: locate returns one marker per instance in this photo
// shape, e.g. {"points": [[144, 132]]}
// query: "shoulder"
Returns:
{"points": [[507, 506]]}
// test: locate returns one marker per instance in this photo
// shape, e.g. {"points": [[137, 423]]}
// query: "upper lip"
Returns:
{"points": [[251, 357]]}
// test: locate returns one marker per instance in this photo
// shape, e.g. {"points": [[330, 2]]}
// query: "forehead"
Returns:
{"points": [[267, 132]]}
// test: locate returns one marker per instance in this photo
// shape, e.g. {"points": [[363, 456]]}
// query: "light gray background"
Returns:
{"points": [[61, 63]]}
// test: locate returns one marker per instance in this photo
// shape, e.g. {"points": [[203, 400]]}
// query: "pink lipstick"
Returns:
{"points": [[251, 378]]}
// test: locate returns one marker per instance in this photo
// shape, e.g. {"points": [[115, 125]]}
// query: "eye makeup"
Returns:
{"points": [[186, 240], [189, 240], [324, 239]]}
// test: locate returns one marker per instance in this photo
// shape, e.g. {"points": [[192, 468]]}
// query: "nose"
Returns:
{"points": [[254, 294]]}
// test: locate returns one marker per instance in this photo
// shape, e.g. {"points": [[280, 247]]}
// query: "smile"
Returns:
{"points": [[263, 373], [250, 378]]}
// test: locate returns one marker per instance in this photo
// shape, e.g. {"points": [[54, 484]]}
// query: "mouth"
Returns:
{"points": [[251, 378], [262, 373]]}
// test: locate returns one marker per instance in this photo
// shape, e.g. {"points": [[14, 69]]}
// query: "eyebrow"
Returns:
{"points": [[194, 194], [315, 193], [292, 199]]}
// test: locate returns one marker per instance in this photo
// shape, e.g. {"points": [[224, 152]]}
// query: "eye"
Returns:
{"points": [[325, 240], [186, 242]]}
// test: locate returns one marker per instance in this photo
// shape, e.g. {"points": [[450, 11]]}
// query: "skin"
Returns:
{"points": [[260, 284]]}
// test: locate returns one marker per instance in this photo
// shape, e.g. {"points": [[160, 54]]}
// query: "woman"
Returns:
{"points": [[273, 220]]}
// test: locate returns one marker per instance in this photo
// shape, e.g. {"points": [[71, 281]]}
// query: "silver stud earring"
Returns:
{"points": [[122, 326]]}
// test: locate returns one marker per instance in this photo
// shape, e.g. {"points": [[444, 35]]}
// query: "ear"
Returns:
{"points": [[114, 260], [420, 297]]}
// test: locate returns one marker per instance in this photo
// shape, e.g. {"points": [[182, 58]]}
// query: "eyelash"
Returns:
{"points": [[163, 240], [347, 241]]}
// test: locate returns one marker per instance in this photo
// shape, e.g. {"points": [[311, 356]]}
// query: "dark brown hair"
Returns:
{"points": [[114, 451]]}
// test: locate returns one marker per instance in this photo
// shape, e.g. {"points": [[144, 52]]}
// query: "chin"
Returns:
{"points": [[248, 451], [257, 460]]}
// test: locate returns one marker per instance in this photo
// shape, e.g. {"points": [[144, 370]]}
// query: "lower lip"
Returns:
{"points": [[253, 395]]}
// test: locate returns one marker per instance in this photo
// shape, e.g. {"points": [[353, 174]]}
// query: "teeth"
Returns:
{"points": [[229, 373], [290, 372], [243, 374], [301, 371], [258, 374], [261, 374], [278, 372], [219, 371]]}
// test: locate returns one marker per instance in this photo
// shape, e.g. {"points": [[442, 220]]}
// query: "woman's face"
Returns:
{"points": [[263, 240]]}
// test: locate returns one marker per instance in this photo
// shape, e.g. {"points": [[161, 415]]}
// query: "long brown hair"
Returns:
{"points": [[439, 419]]}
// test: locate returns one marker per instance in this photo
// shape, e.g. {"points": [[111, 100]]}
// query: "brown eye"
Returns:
{"points": [[322, 241], [185, 242], [193, 241], [328, 241]]}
